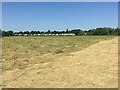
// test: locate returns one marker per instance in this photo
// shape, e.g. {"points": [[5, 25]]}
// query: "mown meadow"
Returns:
{"points": [[20, 51]]}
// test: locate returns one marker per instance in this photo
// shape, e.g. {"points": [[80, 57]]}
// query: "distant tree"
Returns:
{"points": [[110, 30], [7, 33], [62, 32], [117, 31], [81, 33], [21, 32], [0, 33], [10, 33], [38, 32], [85, 31], [67, 31], [48, 31], [42, 32], [55, 32], [97, 31], [4, 33], [100, 31], [76, 31], [27, 32]]}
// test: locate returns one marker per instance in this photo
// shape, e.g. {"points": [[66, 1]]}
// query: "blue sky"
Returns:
{"points": [[22, 16], [60, 0]]}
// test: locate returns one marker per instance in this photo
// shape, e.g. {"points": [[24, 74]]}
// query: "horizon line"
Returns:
{"points": [[55, 29]]}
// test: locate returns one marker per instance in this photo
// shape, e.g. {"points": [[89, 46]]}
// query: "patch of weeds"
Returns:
{"points": [[26, 51], [58, 51], [15, 50]]}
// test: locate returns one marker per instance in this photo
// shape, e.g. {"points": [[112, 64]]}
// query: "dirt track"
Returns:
{"points": [[94, 67]]}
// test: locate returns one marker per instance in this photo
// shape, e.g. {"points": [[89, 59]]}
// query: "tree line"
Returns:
{"points": [[77, 32]]}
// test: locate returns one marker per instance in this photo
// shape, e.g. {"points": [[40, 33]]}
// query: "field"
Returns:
{"points": [[60, 61]]}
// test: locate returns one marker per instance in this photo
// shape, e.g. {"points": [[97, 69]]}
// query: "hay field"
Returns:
{"points": [[60, 61]]}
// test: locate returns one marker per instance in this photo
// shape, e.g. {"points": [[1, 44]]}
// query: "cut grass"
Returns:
{"points": [[19, 52]]}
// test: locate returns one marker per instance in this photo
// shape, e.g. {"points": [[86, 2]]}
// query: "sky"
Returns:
{"points": [[0, 15], [60, 0], [43, 16]]}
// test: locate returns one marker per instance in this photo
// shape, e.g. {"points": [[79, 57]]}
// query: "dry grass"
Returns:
{"points": [[18, 52], [46, 56]]}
